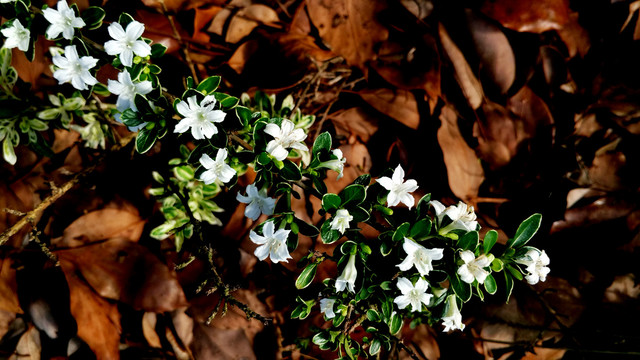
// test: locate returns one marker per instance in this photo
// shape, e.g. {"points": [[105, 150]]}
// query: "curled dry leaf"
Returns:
{"points": [[398, 104], [98, 319], [498, 63], [247, 19], [535, 16], [126, 271], [100, 225], [29, 346], [419, 8], [349, 28], [608, 168], [469, 83], [464, 171], [600, 210], [575, 36], [355, 123]]}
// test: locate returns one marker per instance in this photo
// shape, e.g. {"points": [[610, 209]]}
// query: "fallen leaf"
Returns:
{"points": [[471, 87], [497, 61], [623, 288], [123, 270], [247, 19], [149, 321], [100, 225], [29, 346], [464, 170], [600, 210], [420, 8], [222, 344], [497, 135], [349, 28], [422, 337], [201, 18], [355, 122], [6, 318], [8, 288], [575, 37], [535, 16], [31, 71], [398, 104]]}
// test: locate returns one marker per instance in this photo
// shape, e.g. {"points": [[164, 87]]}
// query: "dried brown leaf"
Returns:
{"points": [[419, 8], [8, 288], [100, 225], [600, 210], [247, 19], [398, 104], [355, 122], [349, 28], [464, 171], [535, 16], [497, 135], [149, 321], [29, 346], [123, 270], [575, 36]]}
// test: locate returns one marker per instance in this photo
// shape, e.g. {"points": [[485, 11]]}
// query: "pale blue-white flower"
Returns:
{"points": [[258, 202], [126, 90], [462, 217], [452, 319], [126, 42], [419, 256], [7, 1], [537, 263], [474, 268], [285, 137], [16, 36], [272, 244], [399, 190], [217, 170], [341, 220], [63, 20], [200, 118], [74, 69], [336, 164], [348, 277], [326, 307], [414, 295]]}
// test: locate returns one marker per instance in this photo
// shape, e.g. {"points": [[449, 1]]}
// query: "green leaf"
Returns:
{"points": [[374, 347], [363, 180], [306, 276], [322, 143], [490, 239], [8, 153], [423, 206], [125, 19], [328, 235], [244, 114], [93, 16], [349, 247], [209, 84], [460, 288], [514, 272], [306, 229], [421, 229], [373, 315], [331, 202], [290, 171], [395, 324], [352, 195], [131, 118], [469, 241], [497, 265], [508, 285], [100, 89], [145, 139], [157, 50], [490, 284], [525, 231], [263, 159], [229, 103], [401, 232], [184, 173], [385, 248], [359, 214]]}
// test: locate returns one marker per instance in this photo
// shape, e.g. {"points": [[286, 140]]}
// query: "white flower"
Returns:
{"points": [[7, 1], [326, 307], [93, 133], [74, 70], [259, 202], [17, 36], [536, 262], [473, 268], [217, 170], [285, 137], [340, 222], [414, 295], [63, 21], [463, 217], [126, 90], [125, 43], [452, 319], [348, 276], [337, 164], [271, 244], [419, 256], [200, 118], [399, 190]]}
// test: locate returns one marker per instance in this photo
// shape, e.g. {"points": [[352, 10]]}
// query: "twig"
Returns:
{"points": [[176, 34], [56, 193], [409, 351]]}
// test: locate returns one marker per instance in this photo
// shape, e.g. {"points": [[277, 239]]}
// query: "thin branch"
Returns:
{"points": [[176, 34]]}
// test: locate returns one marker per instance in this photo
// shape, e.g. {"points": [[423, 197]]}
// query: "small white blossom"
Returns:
{"points": [[414, 295], [399, 190], [7, 1], [126, 90], [341, 220], [419, 256], [537, 265], [326, 307], [63, 21], [348, 277], [73, 69], [201, 118], [452, 319], [16, 36], [337, 164], [285, 137], [273, 244], [93, 133], [127, 42], [217, 170], [473, 268], [259, 202], [462, 216]]}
